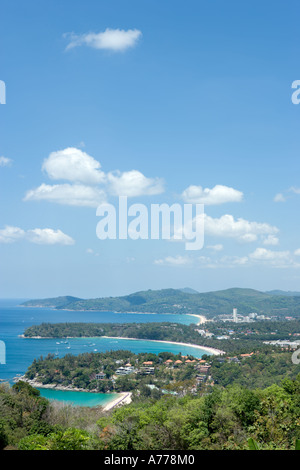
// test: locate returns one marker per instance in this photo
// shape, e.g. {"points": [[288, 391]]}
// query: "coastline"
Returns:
{"points": [[202, 318], [213, 351], [125, 399]]}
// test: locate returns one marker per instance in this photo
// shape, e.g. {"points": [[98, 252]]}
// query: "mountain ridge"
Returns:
{"points": [[178, 301]]}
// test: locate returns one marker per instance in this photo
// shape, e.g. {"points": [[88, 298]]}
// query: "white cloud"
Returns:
{"points": [[174, 261], [275, 258], [240, 229], [217, 195], [227, 226], [271, 240], [133, 183], [111, 39], [90, 185], [46, 236], [11, 234], [72, 195], [74, 165], [259, 257], [264, 254], [5, 161]]}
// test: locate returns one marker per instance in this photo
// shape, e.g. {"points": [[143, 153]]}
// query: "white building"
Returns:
{"points": [[235, 319]]}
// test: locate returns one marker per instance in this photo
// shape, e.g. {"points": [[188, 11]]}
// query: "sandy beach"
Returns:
{"points": [[213, 351], [123, 399], [202, 318]]}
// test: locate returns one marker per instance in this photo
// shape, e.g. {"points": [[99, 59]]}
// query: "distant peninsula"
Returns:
{"points": [[183, 301]]}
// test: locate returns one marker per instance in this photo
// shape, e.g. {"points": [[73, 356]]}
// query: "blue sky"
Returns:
{"points": [[172, 102]]}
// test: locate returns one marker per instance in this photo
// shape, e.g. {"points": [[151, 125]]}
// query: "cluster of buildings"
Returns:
{"points": [[203, 372], [285, 344], [234, 359], [202, 368], [236, 318]]}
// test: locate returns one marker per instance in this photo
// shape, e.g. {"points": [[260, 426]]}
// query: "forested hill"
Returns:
{"points": [[176, 301], [56, 302]]}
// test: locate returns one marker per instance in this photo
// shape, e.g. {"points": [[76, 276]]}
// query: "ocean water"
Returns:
{"points": [[21, 352]]}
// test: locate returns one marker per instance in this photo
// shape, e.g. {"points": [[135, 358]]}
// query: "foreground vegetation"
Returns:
{"points": [[227, 418]]}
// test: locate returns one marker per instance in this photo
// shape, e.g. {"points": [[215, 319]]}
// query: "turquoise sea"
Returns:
{"points": [[20, 352], [78, 398]]}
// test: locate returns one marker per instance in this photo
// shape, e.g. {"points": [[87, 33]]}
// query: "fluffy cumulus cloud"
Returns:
{"points": [[218, 195], [240, 229], [260, 257], [226, 226], [11, 234], [73, 164], [67, 194], [46, 236], [264, 254], [111, 39], [274, 258], [87, 185], [133, 183]]}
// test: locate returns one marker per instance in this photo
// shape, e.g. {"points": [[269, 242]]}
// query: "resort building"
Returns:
{"points": [[125, 370], [100, 376]]}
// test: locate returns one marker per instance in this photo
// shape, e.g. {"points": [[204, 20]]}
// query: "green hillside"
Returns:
{"points": [[176, 301], [56, 302]]}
